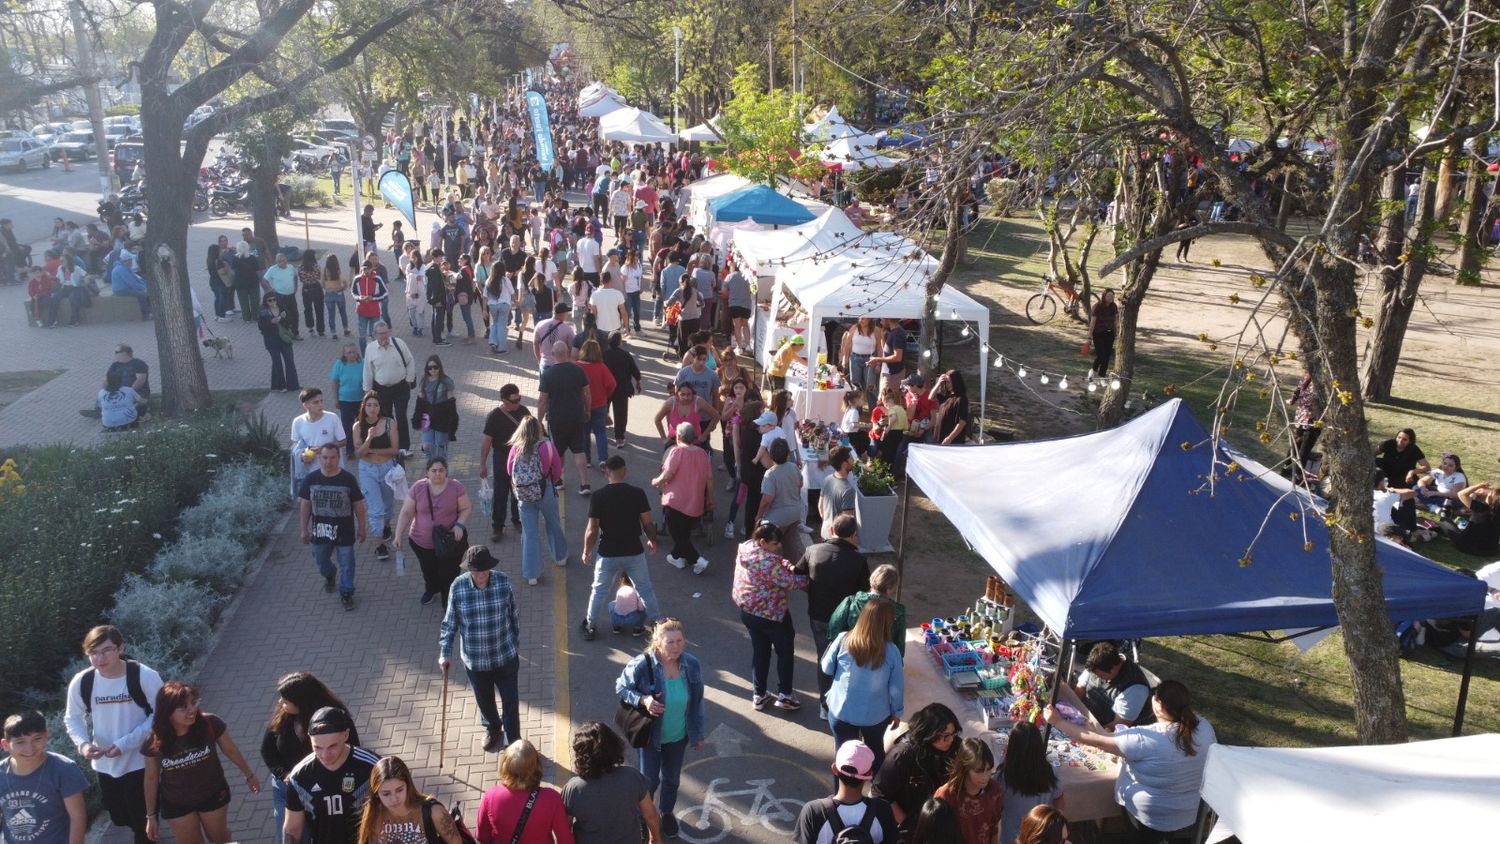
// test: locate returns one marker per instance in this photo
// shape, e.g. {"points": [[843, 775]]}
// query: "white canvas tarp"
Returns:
{"points": [[830, 127], [601, 106], [765, 253], [1443, 790], [633, 125]]}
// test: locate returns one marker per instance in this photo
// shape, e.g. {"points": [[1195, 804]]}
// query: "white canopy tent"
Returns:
{"points": [[1443, 790], [633, 125], [856, 152], [885, 278], [707, 131], [764, 253], [601, 106], [829, 127]]}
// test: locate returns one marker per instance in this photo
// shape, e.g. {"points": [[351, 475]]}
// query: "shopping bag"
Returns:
{"points": [[395, 478], [1085, 350], [487, 496]]}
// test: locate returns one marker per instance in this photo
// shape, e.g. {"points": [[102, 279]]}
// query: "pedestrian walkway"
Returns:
{"points": [[382, 657]]}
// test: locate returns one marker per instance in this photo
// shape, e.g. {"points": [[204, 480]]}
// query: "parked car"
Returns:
{"points": [[127, 155], [78, 145], [23, 154], [311, 152], [128, 120], [342, 128], [48, 132], [115, 133], [15, 133], [341, 144]]}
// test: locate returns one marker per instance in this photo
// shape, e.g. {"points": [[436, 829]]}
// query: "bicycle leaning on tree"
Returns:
{"points": [[1042, 307]]}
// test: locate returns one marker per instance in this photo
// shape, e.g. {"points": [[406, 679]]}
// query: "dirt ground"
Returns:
{"points": [[1442, 388]]}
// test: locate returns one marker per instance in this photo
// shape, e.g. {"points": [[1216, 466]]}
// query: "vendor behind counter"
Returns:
{"points": [[1116, 690]]}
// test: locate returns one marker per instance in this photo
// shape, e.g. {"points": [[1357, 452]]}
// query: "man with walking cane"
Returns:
{"points": [[482, 609]]}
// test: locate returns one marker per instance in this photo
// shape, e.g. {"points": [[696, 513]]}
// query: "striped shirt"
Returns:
{"points": [[486, 618]]}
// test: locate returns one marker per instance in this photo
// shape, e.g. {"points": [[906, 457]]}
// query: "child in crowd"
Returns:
{"points": [[627, 609], [41, 793]]}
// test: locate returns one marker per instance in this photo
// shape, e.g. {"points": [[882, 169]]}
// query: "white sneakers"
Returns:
{"points": [[699, 566], [729, 530], [676, 562]]}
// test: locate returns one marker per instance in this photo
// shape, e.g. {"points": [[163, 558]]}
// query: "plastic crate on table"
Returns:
{"points": [[960, 661]]}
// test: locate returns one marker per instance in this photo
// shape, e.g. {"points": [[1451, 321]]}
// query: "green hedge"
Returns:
{"points": [[88, 518]]}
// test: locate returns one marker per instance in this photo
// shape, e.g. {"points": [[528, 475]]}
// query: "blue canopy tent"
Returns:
{"points": [[759, 203], [1129, 537], [903, 136]]}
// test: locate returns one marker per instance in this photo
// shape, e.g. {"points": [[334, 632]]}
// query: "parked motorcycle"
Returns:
{"points": [[229, 196]]}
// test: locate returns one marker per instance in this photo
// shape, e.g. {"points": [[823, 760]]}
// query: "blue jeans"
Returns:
{"points": [[503, 680], [532, 512], [366, 330], [437, 442], [597, 427], [633, 308], [872, 735], [380, 501], [499, 321], [662, 766], [334, 304], [278, 808], [467, 312], [860, 372], [323, 553], [607, 570], [766, 636]]}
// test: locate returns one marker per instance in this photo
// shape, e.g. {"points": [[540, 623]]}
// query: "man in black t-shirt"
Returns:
{"points": [[563, 400], [327, 790], [499, 427], [617, 515], [134, 372], [892, 360], [333, 519]]}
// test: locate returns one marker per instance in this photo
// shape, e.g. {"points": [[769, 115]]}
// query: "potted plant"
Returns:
{"points": [[875, 506]]}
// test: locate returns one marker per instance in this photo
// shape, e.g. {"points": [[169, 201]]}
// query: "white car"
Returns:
{"points": [[23, 154], [338, 128], [78, 145], [47, 132], [310, 152]]}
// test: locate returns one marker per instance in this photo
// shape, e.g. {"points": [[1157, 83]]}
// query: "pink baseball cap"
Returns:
{"points": [[854, 759]]}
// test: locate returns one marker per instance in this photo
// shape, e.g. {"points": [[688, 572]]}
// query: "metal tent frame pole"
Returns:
{"points": [[1463, 685], [901, 537]]}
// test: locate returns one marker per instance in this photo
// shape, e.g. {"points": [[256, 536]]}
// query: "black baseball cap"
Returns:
{"points": [[561, 308], [329, 719]]}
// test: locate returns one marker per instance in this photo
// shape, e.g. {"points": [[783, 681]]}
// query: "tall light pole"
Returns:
{"points": [[676, 73]]}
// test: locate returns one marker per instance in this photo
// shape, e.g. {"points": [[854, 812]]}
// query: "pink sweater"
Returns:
{"points": [[501, 808]]}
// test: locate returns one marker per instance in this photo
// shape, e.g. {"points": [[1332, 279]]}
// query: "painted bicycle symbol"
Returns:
{"points": [[716, 818]]}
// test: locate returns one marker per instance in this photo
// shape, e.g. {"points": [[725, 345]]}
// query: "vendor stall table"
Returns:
{"points": [[1090, 793], [816, 405]]}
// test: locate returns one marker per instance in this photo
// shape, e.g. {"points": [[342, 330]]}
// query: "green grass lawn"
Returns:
{"points": [[1255, 692]]}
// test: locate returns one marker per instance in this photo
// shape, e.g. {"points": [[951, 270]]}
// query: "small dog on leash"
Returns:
{"points": [[221, 346]]}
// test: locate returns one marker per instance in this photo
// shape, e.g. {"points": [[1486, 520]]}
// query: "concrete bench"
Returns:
{"points": [[104, 308]]}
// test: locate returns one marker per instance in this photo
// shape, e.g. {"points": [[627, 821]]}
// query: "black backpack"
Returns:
{"points": [[845, 834], [132, 684]]}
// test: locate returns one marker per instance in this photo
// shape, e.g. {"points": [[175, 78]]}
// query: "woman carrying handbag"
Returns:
{"points": [[666, 683], [435, 519]]}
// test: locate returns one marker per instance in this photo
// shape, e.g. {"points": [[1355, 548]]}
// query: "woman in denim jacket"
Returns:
{"points": [[668, 683]]}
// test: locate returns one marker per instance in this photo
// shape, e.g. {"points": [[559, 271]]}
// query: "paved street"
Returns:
{"points": [[744, 786]]}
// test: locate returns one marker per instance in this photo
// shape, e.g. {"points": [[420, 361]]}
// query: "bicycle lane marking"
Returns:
{"points": [[724, 810]]}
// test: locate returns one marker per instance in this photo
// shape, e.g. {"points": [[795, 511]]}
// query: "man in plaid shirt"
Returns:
{"points": [[482, 608]]}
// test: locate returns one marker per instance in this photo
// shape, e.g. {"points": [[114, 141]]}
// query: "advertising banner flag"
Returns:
{"points": [[396, 189], [541, 129]]}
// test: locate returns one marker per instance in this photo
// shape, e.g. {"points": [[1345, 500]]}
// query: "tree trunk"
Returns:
{"points": [[1284, 207], [1445, 180], [263, 207], [184, 384], [1358, 590], [951, 235], [1471, 226], [1132, 296], [1399, 283]]}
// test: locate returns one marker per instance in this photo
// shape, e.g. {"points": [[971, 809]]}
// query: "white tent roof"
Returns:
{"points": [[856, 152], [831, 126], [1443, 790], [600, 106], [767, 252], [707, 131], [701, 191], [635, 126]]}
